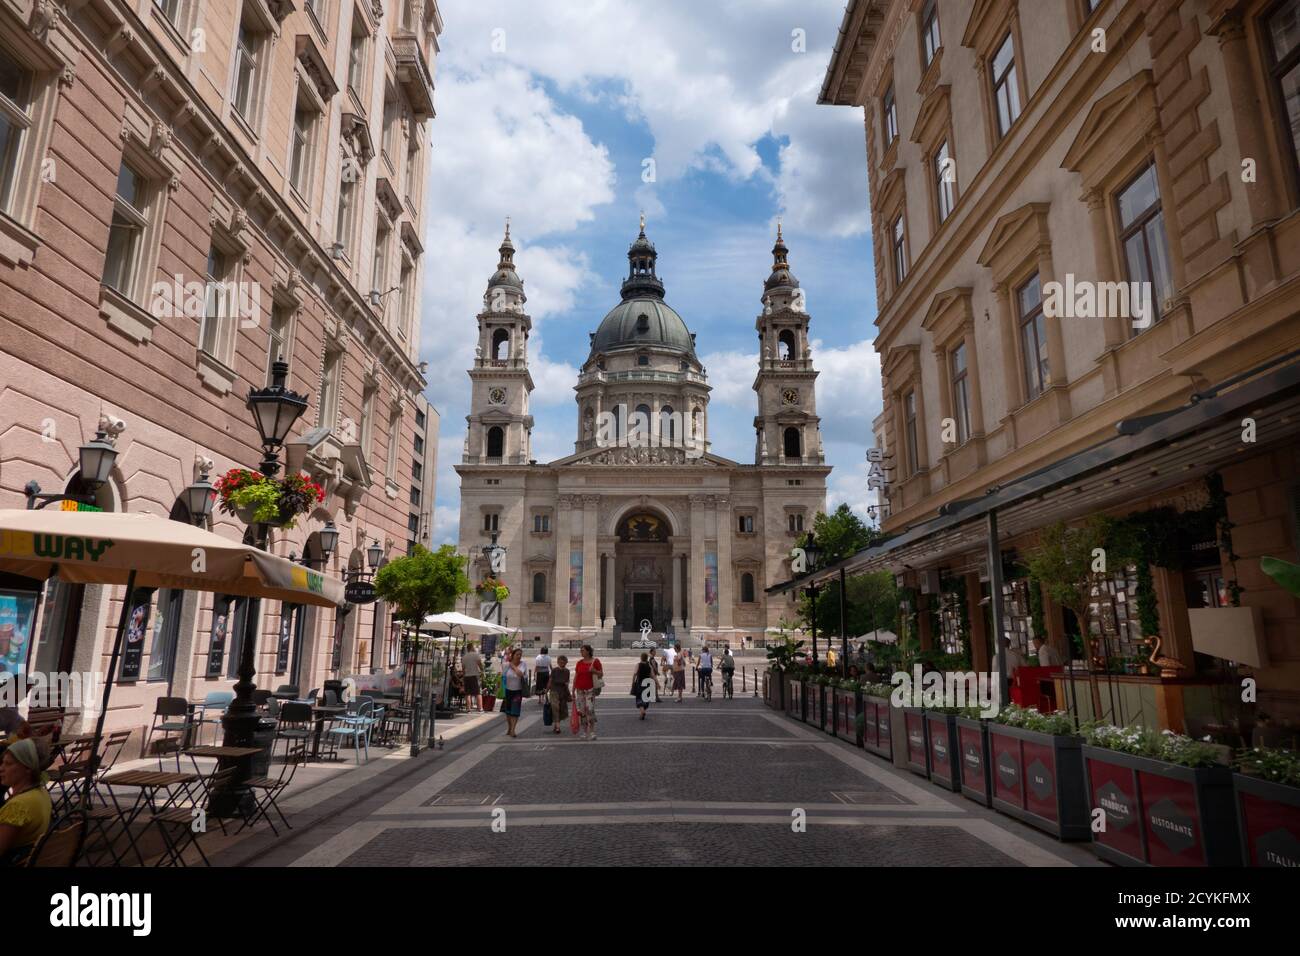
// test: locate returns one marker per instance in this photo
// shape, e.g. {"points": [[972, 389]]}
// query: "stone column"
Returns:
{"points": [[590, 563], [610, 619], [563, 512], [1013, 374], [675, 611], [695, 588], [726, 596], [1247, 113], [1112, 325]]}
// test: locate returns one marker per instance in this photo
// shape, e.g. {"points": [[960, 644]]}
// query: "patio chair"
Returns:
{"points": [[68, 773], [355, 727], [176, 824], [61, 843], [211, 711], [295, 722], [261, 697], [286, 691], [267, 790], [165, 714], [313, 695]]}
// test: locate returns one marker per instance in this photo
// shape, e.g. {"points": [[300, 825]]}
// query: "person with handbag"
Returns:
{"points": [[588, 679], [679, 673], [643, 685], [558, 690], [515, 680]]}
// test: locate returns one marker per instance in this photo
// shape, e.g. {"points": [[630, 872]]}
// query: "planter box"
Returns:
{"points": [[918, 744], [1038, 778], [877, 736], [844, 709], [816, 706], [1160, 814], [1268, 817], [973, 748], [941, 741], [793, 697]]}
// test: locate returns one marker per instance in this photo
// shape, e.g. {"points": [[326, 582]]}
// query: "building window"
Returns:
{"points": [[643, 360], [891, 117], [281, 345], [417, 472], [413, 524], [347, 203], [900, 251], [300, 156], [945, 181], [792, 443], [406, 307], [492, 521], [745, 524], [746, 588], [379, 272], [166, 635], [329, 388], [415, 495], [217, 314], [960, 394], [1033, 337], [394, 437], [419, 445], [541, 524], [909, 427], [1006, 91], [357, 58], [368, 395], [539, 588], [930, 41], [171, 9], [1142, 236], [413, 173], [1284, 43], [16, 84], [248, 47], [419, 419], [496, 440], [388, 133], [795, 521], [126, 233]]}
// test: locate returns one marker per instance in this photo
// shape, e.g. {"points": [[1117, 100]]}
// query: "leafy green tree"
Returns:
{"points": [[422, 583], [842, 533]]}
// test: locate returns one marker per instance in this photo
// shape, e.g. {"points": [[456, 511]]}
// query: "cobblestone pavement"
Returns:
{"points": [[723, 783]]}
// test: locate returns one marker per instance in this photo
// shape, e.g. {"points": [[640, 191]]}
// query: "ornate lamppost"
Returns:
{"points": [[275, 409], [95, 461]]}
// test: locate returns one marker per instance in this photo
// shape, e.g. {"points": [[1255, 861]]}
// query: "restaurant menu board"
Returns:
{"points": [[137, 625], [17, 615], [220, 627], [287, 612]]}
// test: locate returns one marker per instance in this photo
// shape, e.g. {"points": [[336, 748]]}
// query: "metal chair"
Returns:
{"points": [[164, 713], [354, 726], [261, 697], [60, 845], [217, 700], [295, 721], [176, 823], [267, 790]]}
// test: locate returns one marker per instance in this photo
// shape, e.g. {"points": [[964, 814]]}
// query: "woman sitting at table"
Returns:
{"points": [[26, 814]]}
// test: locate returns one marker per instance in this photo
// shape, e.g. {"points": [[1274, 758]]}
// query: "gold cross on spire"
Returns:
{"points": [[507, 227], [778, 228], [643, 220]]}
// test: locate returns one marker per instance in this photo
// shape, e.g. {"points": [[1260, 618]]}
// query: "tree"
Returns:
{"points": [[870, 602], [842, 533], [422, 583]]}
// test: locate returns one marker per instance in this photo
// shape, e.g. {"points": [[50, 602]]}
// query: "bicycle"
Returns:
{"points": [[706, 685], [728, 688]]}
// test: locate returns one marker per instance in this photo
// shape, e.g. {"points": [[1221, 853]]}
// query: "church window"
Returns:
{"points": [[795, 521], [638, 430], [539, 588], [496, 440], [746, 588], [491, 521], [745, 524], [642, 324], [541, 524], [667, 425], [643, 360], [785, 345], [501, 345], [792, 444]]}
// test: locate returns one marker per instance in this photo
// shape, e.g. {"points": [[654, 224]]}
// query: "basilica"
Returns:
{"points": [[642, 527]]}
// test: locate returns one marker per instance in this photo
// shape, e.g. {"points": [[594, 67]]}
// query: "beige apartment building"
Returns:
{"points": [[188, 192], [1025, 159]]}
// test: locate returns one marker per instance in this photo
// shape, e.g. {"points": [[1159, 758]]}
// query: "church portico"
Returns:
{"points": [[642, 521]]}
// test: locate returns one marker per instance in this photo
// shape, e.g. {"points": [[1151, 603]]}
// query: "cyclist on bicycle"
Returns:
{"points": [[728, 665], [706, 671]]}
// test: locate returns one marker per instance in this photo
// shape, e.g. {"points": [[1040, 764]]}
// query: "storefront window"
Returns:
{"points": [[951, 638], [1017, 619], [1113, 617]]}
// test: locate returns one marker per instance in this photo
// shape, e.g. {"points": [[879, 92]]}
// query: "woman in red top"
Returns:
{"points": [[588, 675]]}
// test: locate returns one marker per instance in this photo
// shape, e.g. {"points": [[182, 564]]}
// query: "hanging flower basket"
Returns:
{"points": [[492, 589], [256, 499]]}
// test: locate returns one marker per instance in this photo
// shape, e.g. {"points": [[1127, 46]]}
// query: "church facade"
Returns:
{"points": [[642, 523]]}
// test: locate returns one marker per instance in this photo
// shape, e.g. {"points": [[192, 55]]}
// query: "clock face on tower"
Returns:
{"points": [[497, 396], [790, 396]]}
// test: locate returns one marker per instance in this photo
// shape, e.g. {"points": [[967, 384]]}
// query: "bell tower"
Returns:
{"points": [[787, 429], [500, 427]]}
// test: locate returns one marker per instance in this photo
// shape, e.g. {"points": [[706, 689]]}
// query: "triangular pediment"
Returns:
{"points": [[1114, 121], [932, 115], [1014, 236]]}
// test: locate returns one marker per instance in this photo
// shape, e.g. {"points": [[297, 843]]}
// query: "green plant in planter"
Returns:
{"points": [[266, 500], [1275, 764], [1058, 723], [877, 690], [1156, 745], [781, 654]]}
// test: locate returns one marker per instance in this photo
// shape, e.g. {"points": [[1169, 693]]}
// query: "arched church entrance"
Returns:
{"points": [[643, 569]]}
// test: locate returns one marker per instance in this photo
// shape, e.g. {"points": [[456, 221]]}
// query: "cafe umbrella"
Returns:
{"points": [[462, 626], [146, 551]]}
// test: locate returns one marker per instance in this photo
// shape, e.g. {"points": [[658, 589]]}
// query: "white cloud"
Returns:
{"points": [[731, 374]]}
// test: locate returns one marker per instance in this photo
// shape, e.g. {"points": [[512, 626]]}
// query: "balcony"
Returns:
{"points": [[640, 375], [414, 76]]}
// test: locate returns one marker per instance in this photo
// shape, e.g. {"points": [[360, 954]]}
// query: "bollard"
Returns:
{"points": [[742, 680]]}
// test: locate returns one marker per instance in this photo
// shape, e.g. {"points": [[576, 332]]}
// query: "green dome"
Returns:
{"points": [[624, 327]]}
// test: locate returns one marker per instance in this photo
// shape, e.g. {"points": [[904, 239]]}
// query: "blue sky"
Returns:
{"points": [[547, 113]]}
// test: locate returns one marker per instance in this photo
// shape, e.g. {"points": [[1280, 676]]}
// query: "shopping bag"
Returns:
{"points": [[546, 711], [575, 722]]}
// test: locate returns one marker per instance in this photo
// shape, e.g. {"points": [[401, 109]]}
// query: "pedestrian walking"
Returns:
{"points": [[515, 679], [558, 687], [654, 669], [588, 679], [542, 672], [679, 673], [644, 688], [471, 665]]}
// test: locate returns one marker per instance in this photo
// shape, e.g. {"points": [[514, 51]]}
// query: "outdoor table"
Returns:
{"points": [[320, 712], [218, 753], [149, 783]]}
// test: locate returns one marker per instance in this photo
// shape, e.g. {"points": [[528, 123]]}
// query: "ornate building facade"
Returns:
{"points": [[642, 522]]}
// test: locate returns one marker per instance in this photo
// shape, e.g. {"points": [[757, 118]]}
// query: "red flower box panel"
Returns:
{"points": [[1269, 817], [918, 750]]}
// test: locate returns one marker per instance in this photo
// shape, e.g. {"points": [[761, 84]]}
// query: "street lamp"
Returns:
{"points": [[374, 554], [275, 409], [199, 497], [495, 555], [95, 461], [329, 540]]}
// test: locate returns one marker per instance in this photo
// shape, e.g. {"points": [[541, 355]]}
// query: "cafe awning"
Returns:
{"points": [[1149, 454], [100, 547]]}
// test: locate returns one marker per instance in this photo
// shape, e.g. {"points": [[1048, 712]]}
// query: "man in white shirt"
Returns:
{"points": [[705, 665], [542, 670], [471, 664], [1048, 656]]}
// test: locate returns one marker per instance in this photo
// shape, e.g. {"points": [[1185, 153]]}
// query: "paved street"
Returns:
{"points": [[696, 783]]}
